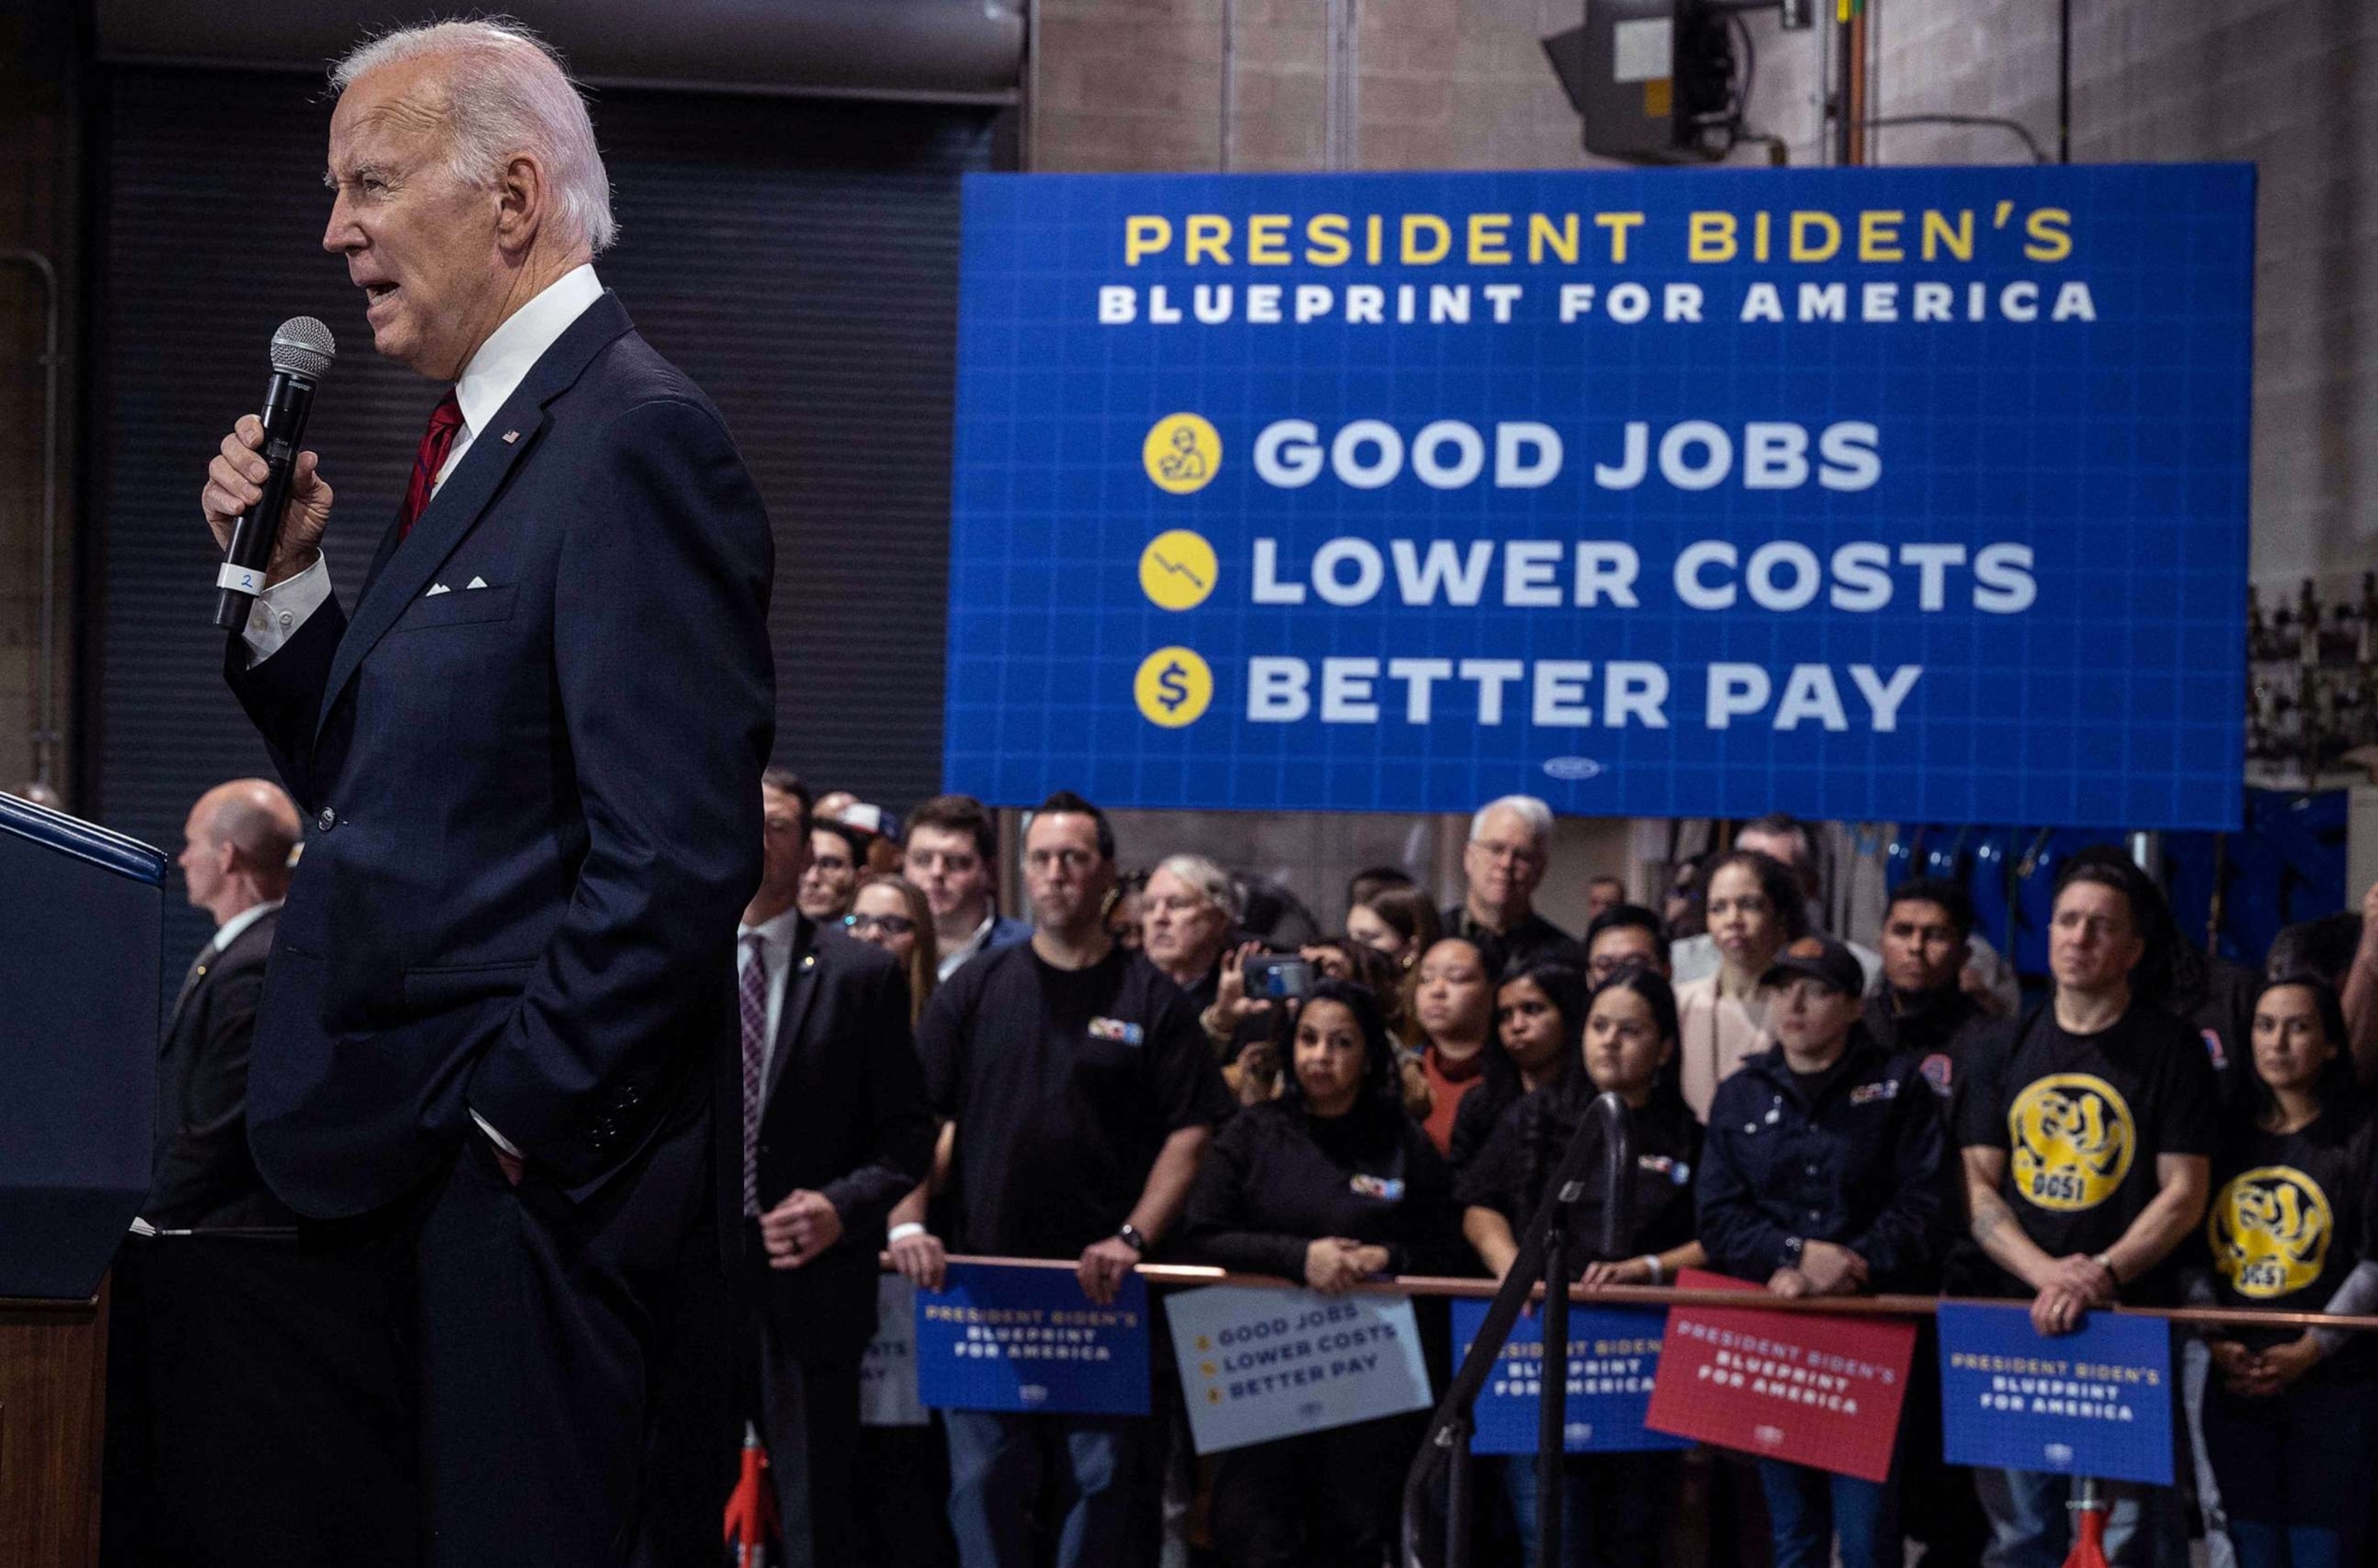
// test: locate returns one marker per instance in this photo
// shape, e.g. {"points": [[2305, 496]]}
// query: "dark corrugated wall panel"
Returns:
{"points": [[799, 259]]}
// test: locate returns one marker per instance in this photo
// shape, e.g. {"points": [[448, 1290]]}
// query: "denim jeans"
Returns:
{"points": [[2031, 1527], [1613, 1506], [999, 1463], [2296, 1469], [1807, 1507]]}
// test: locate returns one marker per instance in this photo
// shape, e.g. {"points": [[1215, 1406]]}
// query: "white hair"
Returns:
{"points": [[1527, 808], [507, 92], [1208, 878]]}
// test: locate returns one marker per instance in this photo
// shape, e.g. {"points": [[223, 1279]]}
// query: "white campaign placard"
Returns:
{"points": [[1261, 1364], [887, 1377]]}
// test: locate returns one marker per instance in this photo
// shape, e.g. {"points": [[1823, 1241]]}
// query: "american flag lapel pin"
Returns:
{"points": [[510, 435]]}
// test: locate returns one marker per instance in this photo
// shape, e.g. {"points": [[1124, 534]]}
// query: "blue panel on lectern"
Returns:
{"points": [[79, 913]]}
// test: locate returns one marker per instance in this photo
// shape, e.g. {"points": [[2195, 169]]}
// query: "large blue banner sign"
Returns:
{"points": [[1613, 1353], [1913, 494], [1008, 1338], [2093, 1403]]}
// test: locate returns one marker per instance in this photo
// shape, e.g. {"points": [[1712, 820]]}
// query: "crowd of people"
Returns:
{"points": [[1133, 1075]]}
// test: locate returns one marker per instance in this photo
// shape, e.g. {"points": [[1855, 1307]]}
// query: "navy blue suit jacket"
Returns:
{"points": [[846, 1116], [533, 805]]}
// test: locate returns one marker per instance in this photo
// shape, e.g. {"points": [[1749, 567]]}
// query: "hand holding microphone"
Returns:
{"points": [[258, 472]]}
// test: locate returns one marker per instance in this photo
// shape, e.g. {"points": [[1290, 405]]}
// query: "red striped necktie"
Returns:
{"points": [[445, 420]]}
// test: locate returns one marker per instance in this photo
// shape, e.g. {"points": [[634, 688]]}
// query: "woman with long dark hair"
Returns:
{"points": [[1614, 1503], [1327, 1185], [2289, 1420], [1539, 1019]]}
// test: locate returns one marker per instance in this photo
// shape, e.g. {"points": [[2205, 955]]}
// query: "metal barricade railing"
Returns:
{"points": [[1542, 1263]]}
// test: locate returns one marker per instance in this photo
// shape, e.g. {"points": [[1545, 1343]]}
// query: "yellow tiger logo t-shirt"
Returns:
{"points": [[2269, 1230], [2073, 1139]]}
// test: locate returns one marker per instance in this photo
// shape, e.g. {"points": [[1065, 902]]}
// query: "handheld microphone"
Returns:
{"points": [[302, 352]]}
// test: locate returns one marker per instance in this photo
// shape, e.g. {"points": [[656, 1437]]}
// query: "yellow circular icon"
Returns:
{"points": [[1174, 687], [1176, 570], [2073, 1142], [1182, 452], [2269, 1231]]}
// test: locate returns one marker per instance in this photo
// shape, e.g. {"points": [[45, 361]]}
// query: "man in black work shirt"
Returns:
{"points": [[1919, 1009], [2088, 1150], [1082, 1095]]}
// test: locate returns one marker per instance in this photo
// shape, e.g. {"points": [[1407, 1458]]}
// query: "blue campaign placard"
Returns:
{"points": [[1613, 1353], [1865, 494], [1027, 1339], [2094, 1403]]}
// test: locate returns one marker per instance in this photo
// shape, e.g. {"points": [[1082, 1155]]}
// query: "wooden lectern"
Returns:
{"points": [[79, 926]]}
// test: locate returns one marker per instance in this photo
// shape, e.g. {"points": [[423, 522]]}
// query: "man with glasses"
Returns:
{"points": [[1084, 1097], [1625, 936], [836, 1130], [1504, 863]]}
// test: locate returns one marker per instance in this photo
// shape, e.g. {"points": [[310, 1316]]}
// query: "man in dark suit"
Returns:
{"points": [[499, 1028], [843, 1132], [234, 860]]}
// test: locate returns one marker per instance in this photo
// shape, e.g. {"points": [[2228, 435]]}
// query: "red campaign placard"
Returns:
{"points": [[1813, 1389]]}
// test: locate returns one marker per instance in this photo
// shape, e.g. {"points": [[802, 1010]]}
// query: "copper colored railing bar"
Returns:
{"points": [[1673, 1295]]}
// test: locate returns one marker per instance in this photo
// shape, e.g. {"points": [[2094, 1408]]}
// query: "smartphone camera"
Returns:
{"points": [[1274, 977]]}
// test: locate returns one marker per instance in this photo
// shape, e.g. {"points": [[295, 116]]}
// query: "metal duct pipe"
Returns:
{"points": [[45, 708], [943, 51]]}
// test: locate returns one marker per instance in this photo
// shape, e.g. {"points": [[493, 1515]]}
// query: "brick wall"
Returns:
{"points": [[2291, 85]]}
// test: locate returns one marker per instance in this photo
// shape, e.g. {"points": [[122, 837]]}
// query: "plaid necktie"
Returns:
{"points": [[436, 442], [753, 987]]}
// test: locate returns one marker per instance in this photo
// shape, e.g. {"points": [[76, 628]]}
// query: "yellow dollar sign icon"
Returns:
{"points": [[1174, 687]]}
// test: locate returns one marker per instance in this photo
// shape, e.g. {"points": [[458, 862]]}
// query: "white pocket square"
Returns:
{"points": [[435, 588], [476, 582]]}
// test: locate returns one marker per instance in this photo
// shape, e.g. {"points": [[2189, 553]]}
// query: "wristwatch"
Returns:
{"points": [[1129, 1237], [2106, 1261]]}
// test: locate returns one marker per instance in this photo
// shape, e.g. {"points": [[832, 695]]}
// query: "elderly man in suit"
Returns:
{"points": [[235, 859], [499, 1031]]}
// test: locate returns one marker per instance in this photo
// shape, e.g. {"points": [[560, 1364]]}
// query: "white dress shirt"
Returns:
{"points": [[953, 957], [228, 932], [493, 374], [776, 952]]}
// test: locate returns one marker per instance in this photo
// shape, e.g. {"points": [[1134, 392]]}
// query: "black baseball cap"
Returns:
{"points": [[1820, 958]]}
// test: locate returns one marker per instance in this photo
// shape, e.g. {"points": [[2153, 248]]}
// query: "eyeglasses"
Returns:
{"points": [[1517, 854], [866, 924]]}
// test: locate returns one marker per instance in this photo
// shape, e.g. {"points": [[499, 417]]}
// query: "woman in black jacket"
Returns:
{"points": [[1539, 1018], [1614, 1503], [1327, 1185]]}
